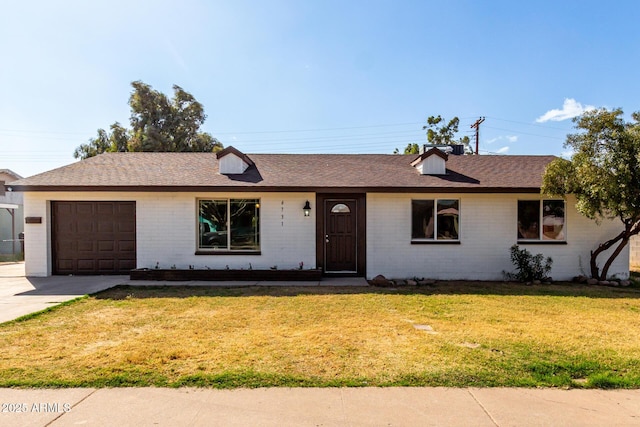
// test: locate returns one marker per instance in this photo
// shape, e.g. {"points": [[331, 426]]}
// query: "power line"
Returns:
{"points": [[524, 133], [318, 130], [380, 140], [527, 124], [49, 138], [41, 131], [2, 130], [343, 137]]}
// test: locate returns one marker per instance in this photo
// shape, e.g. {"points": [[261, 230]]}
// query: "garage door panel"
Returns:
{"points": [[106, 209], [64, 228], [86, 246], [126, 227], [86, 265], [128, 210], [127, 246], [106, 264], [106, 245], [86, 208], [64, 208], [65, 245], [85, 225], [65, 265], [106, 227], [126, 264], [93, 237]]}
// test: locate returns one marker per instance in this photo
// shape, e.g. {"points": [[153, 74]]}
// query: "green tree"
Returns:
{"points": [[409, 149], [157, 124], [440, 133], [117, 140], [604, 176]]}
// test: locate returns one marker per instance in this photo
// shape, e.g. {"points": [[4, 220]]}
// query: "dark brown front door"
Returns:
{"points": [[341, 235], [93, 237]]}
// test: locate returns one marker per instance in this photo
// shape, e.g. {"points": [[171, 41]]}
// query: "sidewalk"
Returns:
{"points": [[320, 407]]}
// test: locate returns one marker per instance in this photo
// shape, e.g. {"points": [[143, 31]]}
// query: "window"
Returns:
{"points": [[444, 225], [340, 208], [541, 220], [229, 225]]}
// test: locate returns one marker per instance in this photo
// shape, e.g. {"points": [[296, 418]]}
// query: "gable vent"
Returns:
{"points": [[232, 161], [431, 162]]}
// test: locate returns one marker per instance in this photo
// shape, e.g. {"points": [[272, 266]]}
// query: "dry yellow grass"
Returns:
{"points": [[514, 336]]}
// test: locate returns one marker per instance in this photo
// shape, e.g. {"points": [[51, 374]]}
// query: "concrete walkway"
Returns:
{"points": [[20, 295], [320, 407]]}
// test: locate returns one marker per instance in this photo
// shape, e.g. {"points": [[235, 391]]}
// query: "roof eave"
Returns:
{"points": [[272, 189]]}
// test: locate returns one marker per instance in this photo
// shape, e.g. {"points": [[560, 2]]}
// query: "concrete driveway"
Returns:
{"points": [[20, 295]]}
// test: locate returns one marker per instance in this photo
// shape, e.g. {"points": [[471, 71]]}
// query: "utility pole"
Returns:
{"points": [[476, 126]]}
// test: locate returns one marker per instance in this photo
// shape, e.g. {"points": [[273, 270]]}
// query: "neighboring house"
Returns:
{"points": [[634, 251], [433, 215], [11, 215]]}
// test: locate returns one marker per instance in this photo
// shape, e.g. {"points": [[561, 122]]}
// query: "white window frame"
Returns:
{"points": [[435, 238], [541, 237], [228, 249]]}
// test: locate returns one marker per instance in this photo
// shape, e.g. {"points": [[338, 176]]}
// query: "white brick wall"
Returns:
{"points": [[487, 231], [166, 230], [37, 248], [166, 234]]}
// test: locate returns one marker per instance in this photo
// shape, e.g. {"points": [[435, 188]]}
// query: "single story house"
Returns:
{"points": [[11, 215], [431, 215]]}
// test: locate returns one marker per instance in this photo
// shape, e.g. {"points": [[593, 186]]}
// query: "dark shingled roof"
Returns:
{"points": [[290, 172]]}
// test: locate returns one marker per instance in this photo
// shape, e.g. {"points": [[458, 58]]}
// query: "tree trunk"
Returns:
{"points": [[595, 271], [613, 256], [631, 229]]}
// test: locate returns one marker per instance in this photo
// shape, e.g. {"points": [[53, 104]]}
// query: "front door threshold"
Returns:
{"points": [[342, 274]]}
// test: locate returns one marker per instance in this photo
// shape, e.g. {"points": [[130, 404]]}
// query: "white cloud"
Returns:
{"points": [[509, 138], [503, 150], [570, 109]]}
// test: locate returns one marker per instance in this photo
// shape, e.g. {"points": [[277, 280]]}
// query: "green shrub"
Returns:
{"points": [[528, 267]]}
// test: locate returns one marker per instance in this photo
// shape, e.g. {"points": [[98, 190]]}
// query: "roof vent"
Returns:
{"points": [[455, 149], [232, 161], [431, 162]]}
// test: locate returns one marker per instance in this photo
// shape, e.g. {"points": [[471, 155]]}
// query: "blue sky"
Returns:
{"points": [[318, 76]]}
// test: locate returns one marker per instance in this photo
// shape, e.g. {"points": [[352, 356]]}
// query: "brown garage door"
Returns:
{"points": [[93, 237]]}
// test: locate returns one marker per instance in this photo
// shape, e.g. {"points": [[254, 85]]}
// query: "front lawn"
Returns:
{"points": [[450, 334]]}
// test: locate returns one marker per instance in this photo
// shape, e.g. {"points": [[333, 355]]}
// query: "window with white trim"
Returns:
{"points": [[543, 220], [435, 220], [229, 225]]}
